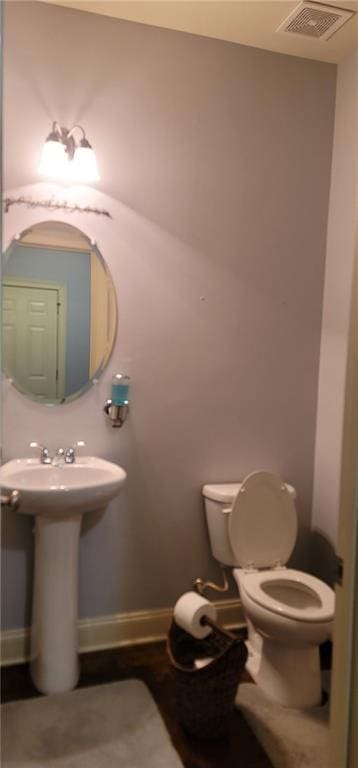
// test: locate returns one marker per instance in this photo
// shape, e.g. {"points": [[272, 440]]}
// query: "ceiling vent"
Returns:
{"points": [[315, 20]]}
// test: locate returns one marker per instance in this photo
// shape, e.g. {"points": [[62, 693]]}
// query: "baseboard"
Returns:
{"points": [[115, 630], [15, 646]]}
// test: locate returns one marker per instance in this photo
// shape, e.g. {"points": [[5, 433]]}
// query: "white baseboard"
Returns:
{"points": [[115, 630]]}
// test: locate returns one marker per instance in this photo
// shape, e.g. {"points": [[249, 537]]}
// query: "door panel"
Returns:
{"points": [[344, 694], [30, 338]]}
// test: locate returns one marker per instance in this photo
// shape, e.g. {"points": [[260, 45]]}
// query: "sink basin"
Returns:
{"points": [[87, 485]]}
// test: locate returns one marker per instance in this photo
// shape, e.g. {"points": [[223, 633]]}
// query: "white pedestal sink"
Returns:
{"points": [[58, 496]]}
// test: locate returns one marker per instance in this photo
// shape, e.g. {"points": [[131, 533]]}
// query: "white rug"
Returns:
{"points": [[107, 726], [291, 738]]}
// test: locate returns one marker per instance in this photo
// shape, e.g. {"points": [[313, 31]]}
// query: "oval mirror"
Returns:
{"points": [[59, 312]]}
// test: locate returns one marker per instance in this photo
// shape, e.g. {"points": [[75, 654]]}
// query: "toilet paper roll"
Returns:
{"points": [[200, 663], [188, 612]]}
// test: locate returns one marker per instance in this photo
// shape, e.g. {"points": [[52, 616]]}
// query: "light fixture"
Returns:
{"points": [[65, 159]]}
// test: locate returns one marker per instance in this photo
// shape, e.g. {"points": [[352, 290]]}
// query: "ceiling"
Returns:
{"points": [[249, 22]]}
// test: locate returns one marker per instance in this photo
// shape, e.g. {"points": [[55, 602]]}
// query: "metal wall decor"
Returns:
{"points": [[52, 205]]}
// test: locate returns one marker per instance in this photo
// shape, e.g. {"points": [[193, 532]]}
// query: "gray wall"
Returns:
{"points": [[220, 157], [341, 245]]}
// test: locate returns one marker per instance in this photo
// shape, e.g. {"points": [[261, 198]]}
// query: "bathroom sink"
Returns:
{"points": [[58, 494], [87, 485]]}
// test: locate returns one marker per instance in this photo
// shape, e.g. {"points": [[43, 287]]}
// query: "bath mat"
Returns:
{"points": [[291, 738], [106, 726]]}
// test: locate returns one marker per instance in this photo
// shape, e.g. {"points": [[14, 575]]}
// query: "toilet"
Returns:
{"points": [[253, 528]]}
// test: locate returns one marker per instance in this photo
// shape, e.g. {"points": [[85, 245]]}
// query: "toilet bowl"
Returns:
{"points": [[289, 613]]}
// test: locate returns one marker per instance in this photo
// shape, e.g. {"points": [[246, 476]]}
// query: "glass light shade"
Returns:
{"points": [[84, 165], [54, 160]]}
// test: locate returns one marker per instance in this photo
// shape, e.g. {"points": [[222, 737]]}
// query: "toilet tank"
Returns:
{"points": [[219, 499]]}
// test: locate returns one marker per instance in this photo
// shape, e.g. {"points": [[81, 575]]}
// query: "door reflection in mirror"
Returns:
{"points": [[59, 312]]}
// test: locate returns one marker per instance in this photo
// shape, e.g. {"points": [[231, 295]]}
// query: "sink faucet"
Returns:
{"points": [[59, 458], [44, 453], [70, 455], [67, 456]]}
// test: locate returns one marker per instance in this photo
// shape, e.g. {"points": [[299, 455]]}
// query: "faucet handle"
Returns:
{"points": [[70, 454], [44, 452]]}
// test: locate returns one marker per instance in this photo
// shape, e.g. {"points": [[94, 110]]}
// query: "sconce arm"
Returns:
{"points": [[72, 130]]}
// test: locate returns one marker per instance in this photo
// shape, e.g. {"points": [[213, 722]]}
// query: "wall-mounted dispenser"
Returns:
{"points": [[117, 407]]}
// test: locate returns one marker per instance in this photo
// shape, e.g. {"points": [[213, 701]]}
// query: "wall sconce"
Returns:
{"points": [[64, 158], [118, 407]]}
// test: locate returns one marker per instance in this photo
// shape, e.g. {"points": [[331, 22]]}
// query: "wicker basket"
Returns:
{"points": [[205, 696]]}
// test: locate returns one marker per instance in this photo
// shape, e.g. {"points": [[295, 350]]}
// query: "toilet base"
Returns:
{"points": [[289, 675]]}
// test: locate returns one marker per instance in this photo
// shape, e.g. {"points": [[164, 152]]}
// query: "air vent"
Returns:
{"points": [[315, 20]]}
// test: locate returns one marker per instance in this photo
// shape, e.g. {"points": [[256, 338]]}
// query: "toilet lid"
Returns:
{"points": [[263, 522]]}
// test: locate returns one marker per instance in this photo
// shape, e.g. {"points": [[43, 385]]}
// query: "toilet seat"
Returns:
{"points": [[263, 522], [290, 579]]}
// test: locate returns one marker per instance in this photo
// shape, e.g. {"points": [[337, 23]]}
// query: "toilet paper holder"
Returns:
{"points": [[200, 585], [206, 622]]}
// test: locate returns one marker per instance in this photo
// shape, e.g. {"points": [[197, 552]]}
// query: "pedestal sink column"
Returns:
{"points": [[58, 496], [54, 642]]}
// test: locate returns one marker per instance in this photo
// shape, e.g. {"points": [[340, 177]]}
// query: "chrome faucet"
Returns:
{"points": [[68, 456], [59, 458], [44, 453], [62, 455], [70, 453]]}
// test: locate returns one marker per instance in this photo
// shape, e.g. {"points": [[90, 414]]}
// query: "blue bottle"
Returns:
{"points": [[120, 388]]}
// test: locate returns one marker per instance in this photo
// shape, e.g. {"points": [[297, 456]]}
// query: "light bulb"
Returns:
{"points": [[84, 165], [54, 160]]}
